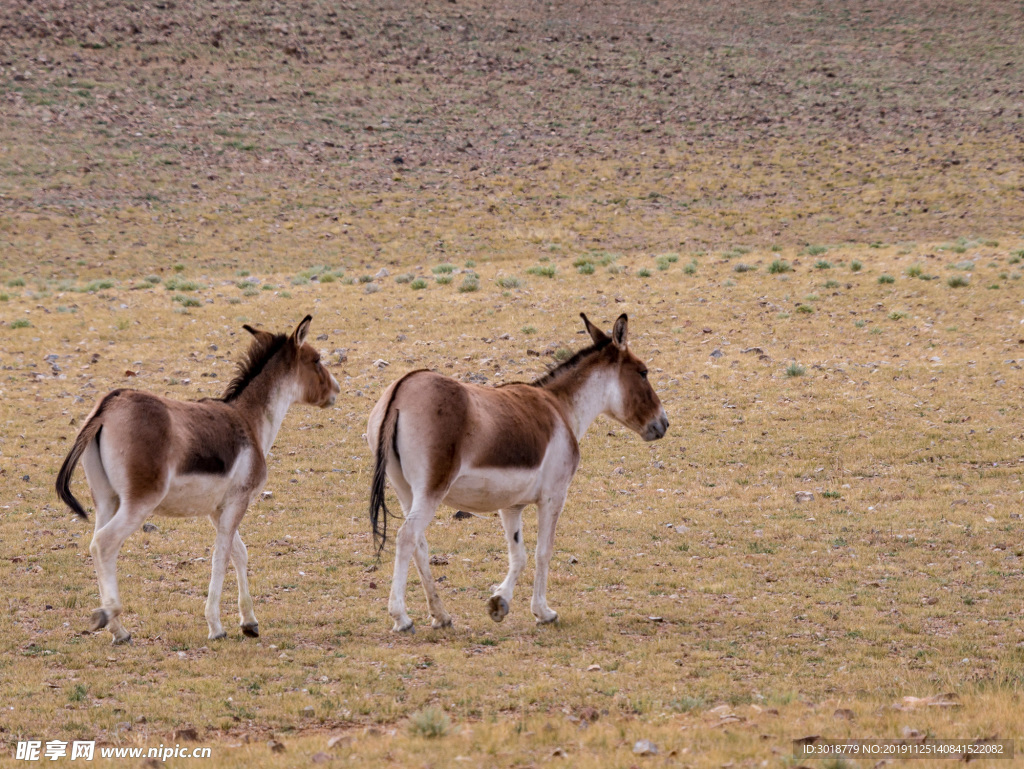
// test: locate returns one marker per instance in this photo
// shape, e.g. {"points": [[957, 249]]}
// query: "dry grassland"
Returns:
{"points": [[814, 228]]}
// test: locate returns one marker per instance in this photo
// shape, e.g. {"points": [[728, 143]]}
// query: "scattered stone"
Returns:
{"points": [[757, 350], [337, 740], [401, 338], [804, 496], [594, 669], [506, 337], [573, 559], [438, 560], [461, 515], [656, 619], [320, 758], [844, 713], [645, 748], [681, 528], [187, 733], [558, 753], [267, 494], [322, 338], [149, 528], [308, 710], [716, 353], [949, 700], [382, 273], [129, 373], [929, 600], [381, 363], [275, 746]]}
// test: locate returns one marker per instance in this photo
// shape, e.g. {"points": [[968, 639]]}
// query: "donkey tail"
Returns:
{"points": [[89, 432], [387, 439]]}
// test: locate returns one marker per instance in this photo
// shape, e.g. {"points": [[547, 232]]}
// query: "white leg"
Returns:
{"points": [[417, 518], [227, 529], [439, 618], [512, 523], [106, 544], [240, 559], [547, 518]]}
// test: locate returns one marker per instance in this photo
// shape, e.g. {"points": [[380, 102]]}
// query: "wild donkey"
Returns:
{"points": [[144, 454], [498, 448]]}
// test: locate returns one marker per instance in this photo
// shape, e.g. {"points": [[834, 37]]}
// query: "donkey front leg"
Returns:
{"points": [[512, 523], [547, 518], [240, 559], [223, 545]]}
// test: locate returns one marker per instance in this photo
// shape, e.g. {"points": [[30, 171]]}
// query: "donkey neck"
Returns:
{"points": [[584, 393], [264, 403]]}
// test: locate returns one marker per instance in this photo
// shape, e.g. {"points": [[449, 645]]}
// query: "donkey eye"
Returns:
{"points": [[643, 375]]}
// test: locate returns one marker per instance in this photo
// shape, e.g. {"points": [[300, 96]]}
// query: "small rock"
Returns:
{"points": [[372, 585], [337, 740], [130, 373], [682, 528], [381, 363], [716, 353], [505, 337], [401, 338], [322, 338], [573, 559], [275, 746], [844, 713], [929, 600], [187, 733], [308, 710], [382, 273], [558, 753], [149, 528], [320, 758], [25, 478], [656, 619], [645, 748], [461, 515], [594, 669], [267, 494], [804, 496], [438, 560], [757, 350]]}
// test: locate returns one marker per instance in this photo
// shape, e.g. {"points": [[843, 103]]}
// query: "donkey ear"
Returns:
{"points": [[595, 333], [619, 332], [299, 335], [251, 330]]}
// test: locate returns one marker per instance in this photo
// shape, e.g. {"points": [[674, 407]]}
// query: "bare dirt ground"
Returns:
{"points": [[810, 211]]}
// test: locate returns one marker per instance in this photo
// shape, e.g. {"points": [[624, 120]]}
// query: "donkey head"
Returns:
{"points": [[316, 385], [633, 401]]}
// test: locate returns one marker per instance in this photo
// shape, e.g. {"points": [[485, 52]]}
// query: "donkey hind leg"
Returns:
{"points": [[106, 544], [439, 618], [240, 559], [512, 523], [547, 518], [226, 524], [407, 545]]}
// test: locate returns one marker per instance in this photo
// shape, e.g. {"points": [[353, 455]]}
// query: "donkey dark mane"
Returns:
{"points": [[260, 352], [568, 365]]}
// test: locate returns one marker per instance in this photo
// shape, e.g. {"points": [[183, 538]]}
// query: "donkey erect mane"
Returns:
{"points": [[552, 374], [263, 348]]}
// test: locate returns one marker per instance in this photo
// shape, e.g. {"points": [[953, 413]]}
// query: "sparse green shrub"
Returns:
{"points": [[16, 282], [4, 296], [418, 284], [563, 354], [366, 279], [662, 263], [897, 315], [830, 284], [443, 280], [964, 266], [175, 283], [98, 285], [795, 369], [744, 268], [690, 268], [179, 268], [250, 290], [529, 329], [914, 271], [443, 269], [805, 309], [1016, 256], [816, 251], [509, 281], [886, 279], [327, 277], [779, 266], [821, 264], [430, 722], [404, 278], [186, 301], [643, 272], [20, 323], [957, 281], [470, 264], [300, 280], [154, 279], [542, 270], [469, 283], [585, 269], [856, 266]]}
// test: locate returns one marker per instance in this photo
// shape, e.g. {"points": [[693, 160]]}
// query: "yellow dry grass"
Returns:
{"points": [[685, 569]]}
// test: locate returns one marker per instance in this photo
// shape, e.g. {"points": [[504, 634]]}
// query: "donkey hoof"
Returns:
{"points": [[98, 620], [498, 608], [252, 631], [439, 624], [548, 620], [408, 627], [125, 639], [217, 636]]}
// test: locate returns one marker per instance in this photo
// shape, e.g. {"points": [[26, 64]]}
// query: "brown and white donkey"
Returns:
{"points": [[144, 454], [498, 448]]}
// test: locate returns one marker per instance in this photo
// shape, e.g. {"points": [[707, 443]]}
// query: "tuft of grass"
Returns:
{"points": [[643, 272], [817, 251], [830, 284], [744, 268], [186, 301], [529, 329], [563, 354], [690, 268], [542, 270], [587, 268], [418, 284], [884, 279], [779, 266], [957, 281], [914, 271], [821, 264], [856, 266], [509, 281], [97, 285], [443, 280], [897, 315], [431, 722], [366, 279], [21, 323], [175, 283], [154, 279], [795, 369], [16, 282], [300, 280], [469, 284], [443, 269], [404, 278], [805, 309]]}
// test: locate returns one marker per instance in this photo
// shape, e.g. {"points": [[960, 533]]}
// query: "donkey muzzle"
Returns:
{"points": [[656, 428]]}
